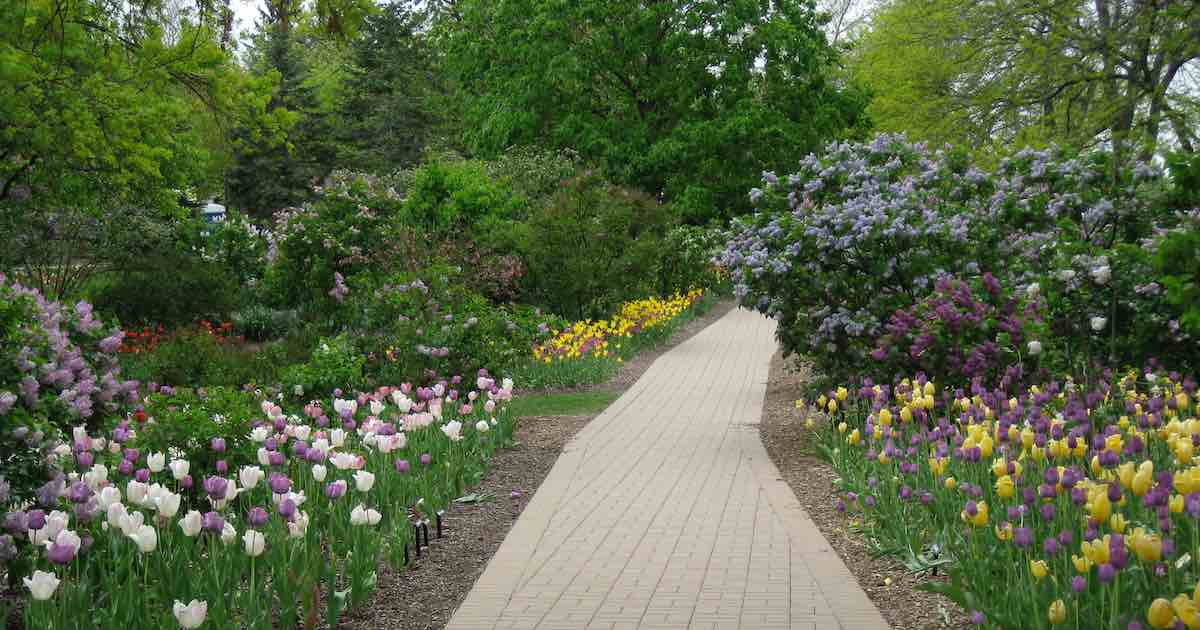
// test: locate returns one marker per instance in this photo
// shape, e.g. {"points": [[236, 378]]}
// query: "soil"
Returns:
{"points": [[425, 594], [812, 480]]}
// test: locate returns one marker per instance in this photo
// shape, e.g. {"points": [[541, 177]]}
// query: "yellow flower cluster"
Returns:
{"points": [[600, 338]]}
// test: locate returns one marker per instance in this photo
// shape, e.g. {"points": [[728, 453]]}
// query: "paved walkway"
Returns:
{"points": [[665, 512]]}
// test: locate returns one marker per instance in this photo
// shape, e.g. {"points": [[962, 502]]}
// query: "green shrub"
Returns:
{"points": [[335, 363], [193, 358], [171, 288], [415, 325], [259, 322], [593, 246], [188, 419], [687, 260]]}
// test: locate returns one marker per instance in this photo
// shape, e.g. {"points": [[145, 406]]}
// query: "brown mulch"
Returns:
{"points": [[812, 480]]}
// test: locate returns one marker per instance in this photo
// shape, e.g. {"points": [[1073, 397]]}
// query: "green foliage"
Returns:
{"points": [[593, 246], [389, 112], [188, 419], [688, 252], [258, 322], [456, 196], [194, 358], [691, 100], [418, 325], [173, 287], [335, 364], [566, 404], [1178, 263]]}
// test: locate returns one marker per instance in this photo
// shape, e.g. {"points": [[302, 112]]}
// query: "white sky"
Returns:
{"points": [[245, 12]]}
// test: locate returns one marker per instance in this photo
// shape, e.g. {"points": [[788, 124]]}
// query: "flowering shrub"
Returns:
{"points": [[266, 537], [425, 324], [1051, 503], [335, 362], [58, 368], [866, 229], [960, 333]]}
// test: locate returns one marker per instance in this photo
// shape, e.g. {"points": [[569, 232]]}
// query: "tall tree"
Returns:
{"points": [[390, 112], [104, 110], [1071, 71], [687, 99]]}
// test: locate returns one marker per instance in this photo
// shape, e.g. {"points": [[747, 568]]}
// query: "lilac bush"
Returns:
{"points": [[58, 369], [864, 230]]}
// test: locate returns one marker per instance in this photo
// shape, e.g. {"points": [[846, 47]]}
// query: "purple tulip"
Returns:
{"points": [[131, 454], [218, 444], [1048, 510], [142, 475], [125, 467], [287, 509], [1023, 536], [336, 489], [280, 484], [1078, 583], [257, 517], [79, 492], [16, 523], [37, 520], [222, 467], [275, 458], [1106, 572], [869, 501], [213, 522], [426, 459], [85, 459], [402, 466], [216, 487], [1050, 546], [60, 554], [186, 482], [978, 618]]}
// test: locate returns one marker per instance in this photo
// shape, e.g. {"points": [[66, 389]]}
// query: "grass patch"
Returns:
{"points": [[569, 404]]}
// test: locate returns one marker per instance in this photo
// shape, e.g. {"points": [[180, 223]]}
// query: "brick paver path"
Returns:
{"points": [[665, 512]]}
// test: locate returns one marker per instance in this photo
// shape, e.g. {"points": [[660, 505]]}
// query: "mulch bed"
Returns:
{"points": [[812, 480]]}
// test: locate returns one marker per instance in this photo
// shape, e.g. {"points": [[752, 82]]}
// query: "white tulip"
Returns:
{"points": [[136, 492], [131, 522], [228, 533], [1098, 323], [337, 437], [344, 461], [42, 585], [69, 538], [108, 496], [264, 457], [180, 468], [254, 542], [482, 426], [358, 516], [376, 407], [318, 472], [156, 462], [146, 538], [191, 523], [260, 433], [299, 525], [192, 615], [1102, 274], [1035, 348], [364, 480], [168, 504], [250, 476], [453, 430]]}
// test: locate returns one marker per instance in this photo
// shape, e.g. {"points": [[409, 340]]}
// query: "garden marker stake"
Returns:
{"points": [[439, 522]]}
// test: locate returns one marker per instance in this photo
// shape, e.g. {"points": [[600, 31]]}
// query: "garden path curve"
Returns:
{"points": [[666, 512]]}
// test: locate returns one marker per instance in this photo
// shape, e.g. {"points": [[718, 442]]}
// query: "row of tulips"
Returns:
{"points": [[1048, 505], [602, 338], [278, 538]]}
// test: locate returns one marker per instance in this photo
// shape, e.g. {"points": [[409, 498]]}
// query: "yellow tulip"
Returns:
{"points": [[1176, 503], [1125, 473], [1012, 404], [855, 437], [885, 417], [1005, 487], [1082, 565], [842, 393], [1160, 614], [1004, 531], [1184, 450], [1185, 609], [1027, 437], [1114, 443], [985, 446], [1014, 434], [1117, 523], [981, 515], [842, 427], [832, 406], [950, 483], [1058, 612], [999, 467], [884, 459], [809, 423], [1038, 568], [1098, 506], [1143, 479], [929, 388], [906, 414], [1182, 400], [1148, 547], [821, 401]]}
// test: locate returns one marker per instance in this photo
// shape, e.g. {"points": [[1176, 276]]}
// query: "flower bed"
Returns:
{"points": [[255, 517], [594, 337], [1051, 505]]}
